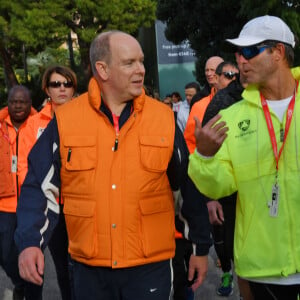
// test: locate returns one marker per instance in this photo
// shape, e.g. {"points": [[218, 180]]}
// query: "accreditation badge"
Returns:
{"points": [[274, 202], [14, 164]]}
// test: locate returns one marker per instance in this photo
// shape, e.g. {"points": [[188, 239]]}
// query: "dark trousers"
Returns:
{"points": [[58, 247], [263, 291], [223, 235], [9, 257], [146, 282], [8, 250], [180, 264]]}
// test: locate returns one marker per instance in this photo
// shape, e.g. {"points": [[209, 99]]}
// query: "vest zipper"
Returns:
{"points": [[116, 142], [17, 178]]}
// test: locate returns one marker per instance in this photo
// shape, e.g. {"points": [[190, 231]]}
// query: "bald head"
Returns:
{"points": [[100, 49], [19, 104], [118, 65], [210, 69]]}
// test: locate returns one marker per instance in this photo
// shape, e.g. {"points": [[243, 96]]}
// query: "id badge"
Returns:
{"points": [[14, 163], [273, 204]]}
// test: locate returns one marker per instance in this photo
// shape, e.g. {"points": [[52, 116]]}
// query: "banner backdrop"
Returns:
{"points": [[176, 63]]}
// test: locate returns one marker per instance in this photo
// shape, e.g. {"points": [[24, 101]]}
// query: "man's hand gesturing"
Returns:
{"points": [[211, 136]]}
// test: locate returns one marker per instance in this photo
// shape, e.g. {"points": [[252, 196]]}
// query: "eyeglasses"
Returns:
{"points": [[57, 84], [252, 51], [229, 74]]}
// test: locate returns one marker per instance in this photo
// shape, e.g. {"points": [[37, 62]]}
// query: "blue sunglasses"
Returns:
{"points": [[252, 51]]}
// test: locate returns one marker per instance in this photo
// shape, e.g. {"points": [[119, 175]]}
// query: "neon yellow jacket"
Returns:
{"points": [[263, 245]]}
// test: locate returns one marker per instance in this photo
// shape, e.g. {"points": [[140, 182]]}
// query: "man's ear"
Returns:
{"points": [[102, 69], [279, 51]]}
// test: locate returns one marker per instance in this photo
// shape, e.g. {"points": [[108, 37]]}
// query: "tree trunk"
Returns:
{"points": [[71, 51], [10, 77], [85, 69], [25, 63]]}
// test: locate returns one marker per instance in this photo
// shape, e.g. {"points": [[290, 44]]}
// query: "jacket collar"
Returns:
{"points": [[46, 111], [94, 94], [252, 94], [4, 115]]}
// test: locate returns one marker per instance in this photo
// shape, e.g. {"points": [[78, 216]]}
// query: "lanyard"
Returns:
{"points": [[116, 122], [289, 115], [117, 129]]}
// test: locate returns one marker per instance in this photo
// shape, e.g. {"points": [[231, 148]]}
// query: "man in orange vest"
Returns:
{"points": [[13, 120], [115, 156], [198, 108]]}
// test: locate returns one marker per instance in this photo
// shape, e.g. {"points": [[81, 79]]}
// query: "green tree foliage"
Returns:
{"points": [[206, 24], [36, 25]]}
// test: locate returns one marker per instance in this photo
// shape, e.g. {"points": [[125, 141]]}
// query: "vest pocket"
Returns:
{"points": [[81, 226], [157, 223], [78, 164], [155, 153]]}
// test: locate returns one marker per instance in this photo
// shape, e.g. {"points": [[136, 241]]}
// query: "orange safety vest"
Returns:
{"points": [[35, 127], [118, 205], [7, 186], [11, 178], [198, 110]]}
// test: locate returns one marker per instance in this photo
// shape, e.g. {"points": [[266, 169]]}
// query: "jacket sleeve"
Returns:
{"points": [[179, 160], [213, 176], [213, 107], [38, 210], [193, 220]]}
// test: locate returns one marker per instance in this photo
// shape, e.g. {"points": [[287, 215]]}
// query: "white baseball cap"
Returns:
{"points": [[264, 28]]}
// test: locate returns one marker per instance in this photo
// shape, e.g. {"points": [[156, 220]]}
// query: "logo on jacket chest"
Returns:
{"points": [[244, 125], [244, 128]]}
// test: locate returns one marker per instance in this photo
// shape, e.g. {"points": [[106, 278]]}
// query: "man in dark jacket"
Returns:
{"points": [[222, 212]]}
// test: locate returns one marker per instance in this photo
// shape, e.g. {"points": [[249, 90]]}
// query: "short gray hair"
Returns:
{"points": [[289, 55], [100, 49]]}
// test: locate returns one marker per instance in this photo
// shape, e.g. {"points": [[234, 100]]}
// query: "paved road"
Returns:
{"points": [[206, 292], [50, 290]]}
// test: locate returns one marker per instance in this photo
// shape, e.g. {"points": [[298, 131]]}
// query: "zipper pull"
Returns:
{"points": [[69, 154], [281, 134], [116, 144]]}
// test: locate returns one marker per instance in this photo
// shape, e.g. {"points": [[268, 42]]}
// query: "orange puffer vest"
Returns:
{"points": [[10, 141], [7, 186], [118, 205]]}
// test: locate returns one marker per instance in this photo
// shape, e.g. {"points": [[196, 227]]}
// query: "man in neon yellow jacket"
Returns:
{"points": [[253, 147]]}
